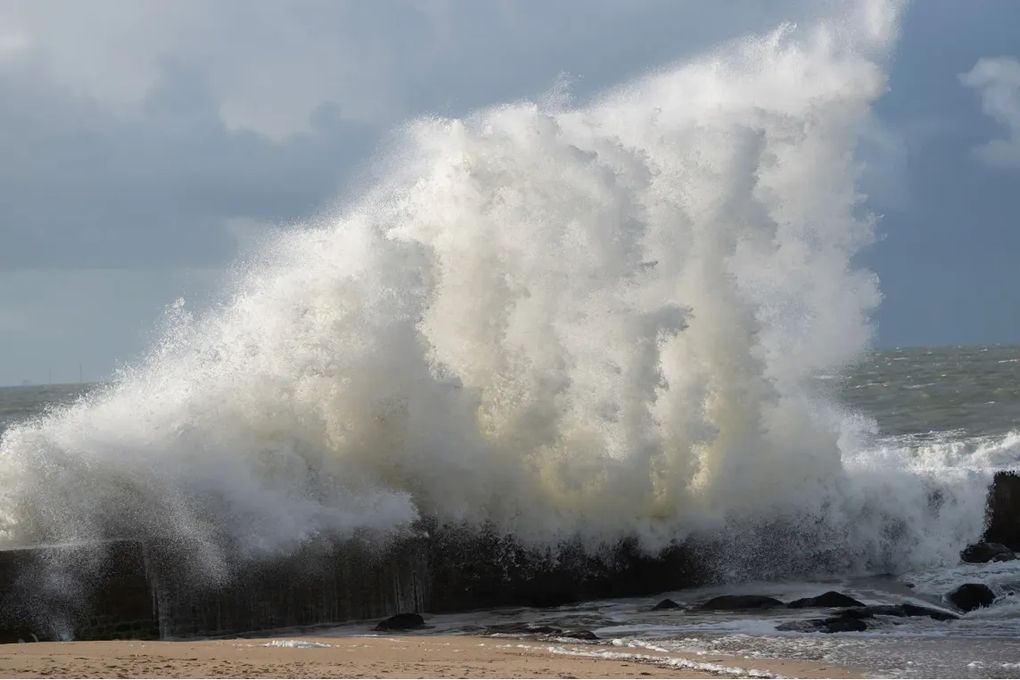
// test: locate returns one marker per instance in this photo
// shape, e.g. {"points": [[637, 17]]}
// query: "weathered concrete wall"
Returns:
{"points": [[131, 589], [122, 589], [97, 591], [319, 585], [470, 571], [1004, 510]]}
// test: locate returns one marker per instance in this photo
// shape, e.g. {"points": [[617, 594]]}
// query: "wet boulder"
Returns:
{"points": [[971, 596], [987, 552], [904, 610], [405, 621], [741, 602], [579, 635], [832, 624], [829, 599], [665, 604]]}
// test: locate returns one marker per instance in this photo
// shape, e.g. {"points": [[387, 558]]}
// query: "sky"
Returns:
{"points": [[145, 145]]}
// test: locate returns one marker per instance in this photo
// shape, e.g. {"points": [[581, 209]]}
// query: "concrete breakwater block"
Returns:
{"points": [[1004, 510], [321, 584]]}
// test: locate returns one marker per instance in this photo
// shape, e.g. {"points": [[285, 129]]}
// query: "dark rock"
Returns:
{"points": [[971, 596], [987, 552], [579, 635], [842, 624], [736, 602], [833, 624], [666, 604], [829, 599], [898, 610], [405, 621], [1003, 511]]}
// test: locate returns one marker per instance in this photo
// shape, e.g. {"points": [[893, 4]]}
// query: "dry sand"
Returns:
{"points": [[392, 656]]}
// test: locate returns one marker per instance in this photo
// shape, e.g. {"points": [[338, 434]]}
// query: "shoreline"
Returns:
{"points": [[406, 656]]}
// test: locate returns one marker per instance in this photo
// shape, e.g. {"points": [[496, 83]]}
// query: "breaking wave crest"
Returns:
{"points": [[561, 322]]}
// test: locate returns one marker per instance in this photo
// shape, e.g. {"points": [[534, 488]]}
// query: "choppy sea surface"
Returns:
{"points": [[958, 406]]}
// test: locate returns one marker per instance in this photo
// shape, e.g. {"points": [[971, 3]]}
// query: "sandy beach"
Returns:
{"points": [[388, 657]]}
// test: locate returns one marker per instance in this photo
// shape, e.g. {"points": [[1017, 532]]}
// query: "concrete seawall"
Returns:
{"points": [[84, 592], [319, 585], [136, 589], [1004, 510]]}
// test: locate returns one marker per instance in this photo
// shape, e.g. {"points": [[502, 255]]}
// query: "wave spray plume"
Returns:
{"points": [[564, 323]]}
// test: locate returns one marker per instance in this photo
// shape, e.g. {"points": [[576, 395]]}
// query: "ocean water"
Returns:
{"points": [[922, 395], [25, 402]]}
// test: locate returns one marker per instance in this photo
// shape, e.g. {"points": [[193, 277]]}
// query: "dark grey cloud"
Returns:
{"points": [[84, 186]]}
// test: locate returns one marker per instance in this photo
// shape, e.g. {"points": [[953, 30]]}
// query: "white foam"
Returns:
{"points": [[595, 321], [296, 644], [671, 661]]}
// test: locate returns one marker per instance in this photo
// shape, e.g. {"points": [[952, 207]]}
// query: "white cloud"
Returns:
{"points": [[997, 82]]}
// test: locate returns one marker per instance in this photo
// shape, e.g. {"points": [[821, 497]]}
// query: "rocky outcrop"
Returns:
{"points": [[971, 596], [829, 599], [665, 604], [987, 552], [740, 602], [832, 624], [855, 619]]}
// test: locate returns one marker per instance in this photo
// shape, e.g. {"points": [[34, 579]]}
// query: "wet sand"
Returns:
{"points": [[387, 657]]}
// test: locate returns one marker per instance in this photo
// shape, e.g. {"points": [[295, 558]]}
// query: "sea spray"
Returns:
{"points": [[561, 323]]}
